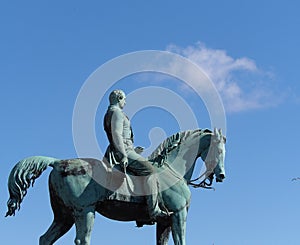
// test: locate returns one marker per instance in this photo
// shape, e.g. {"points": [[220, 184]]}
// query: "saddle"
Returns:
{"points": [[119, 186]]}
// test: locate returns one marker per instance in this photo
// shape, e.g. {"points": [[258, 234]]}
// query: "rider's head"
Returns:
{"points": [[117, 97]]}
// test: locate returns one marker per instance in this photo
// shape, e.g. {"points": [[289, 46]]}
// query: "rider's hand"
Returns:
{"points": [[139, 149], [124, 162]]}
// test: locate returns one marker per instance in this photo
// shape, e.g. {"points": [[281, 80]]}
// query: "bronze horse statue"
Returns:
{"points": [[81, 187]]}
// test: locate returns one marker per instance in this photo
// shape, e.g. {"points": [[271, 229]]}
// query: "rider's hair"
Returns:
{"points": [[115, 96]]}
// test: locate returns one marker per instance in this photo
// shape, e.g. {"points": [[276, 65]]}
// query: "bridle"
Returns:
{"points": [[208, 175], [206, 183]]}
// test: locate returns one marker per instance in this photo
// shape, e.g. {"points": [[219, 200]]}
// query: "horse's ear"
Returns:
{"points": [[222, 136], [220, 132], [216, 133]]}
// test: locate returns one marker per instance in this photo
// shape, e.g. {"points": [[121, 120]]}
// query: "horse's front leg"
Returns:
{"points": [[179, 227], [84, 221], [163, 230]]}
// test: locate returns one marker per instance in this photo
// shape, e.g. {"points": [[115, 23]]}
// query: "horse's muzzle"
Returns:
{"points": [[220, 178]]}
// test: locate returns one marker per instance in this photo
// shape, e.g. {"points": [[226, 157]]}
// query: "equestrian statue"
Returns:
{"points": [[124, 186]]}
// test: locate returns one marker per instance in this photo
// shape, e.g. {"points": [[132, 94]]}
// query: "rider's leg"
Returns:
{"points": [[141, 167]]}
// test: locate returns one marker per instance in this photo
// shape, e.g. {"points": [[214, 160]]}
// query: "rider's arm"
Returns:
{"points": [[117, 121]]}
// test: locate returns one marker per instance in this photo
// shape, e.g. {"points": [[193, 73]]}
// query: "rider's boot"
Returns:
{"points": [[153, 208]]}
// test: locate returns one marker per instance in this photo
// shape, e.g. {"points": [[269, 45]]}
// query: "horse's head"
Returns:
{"points": [[214, 156], [180, 152]]}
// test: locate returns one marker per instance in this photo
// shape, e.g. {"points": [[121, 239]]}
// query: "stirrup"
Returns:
{"points": [[161, 214], [140, 224]]}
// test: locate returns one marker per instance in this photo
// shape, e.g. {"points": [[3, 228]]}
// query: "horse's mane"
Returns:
{"points": [[173, 141]]}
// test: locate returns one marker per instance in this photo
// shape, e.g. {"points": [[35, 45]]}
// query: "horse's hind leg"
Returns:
{"points": [[163, 230], [62, 222], [84, 222], [57, 229], [63, 217]]}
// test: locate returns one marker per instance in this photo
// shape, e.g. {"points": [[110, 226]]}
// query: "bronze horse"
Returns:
{"points": [[81, 187]]}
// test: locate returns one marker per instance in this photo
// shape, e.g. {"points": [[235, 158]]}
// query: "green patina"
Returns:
{"points": [[81, 187]]}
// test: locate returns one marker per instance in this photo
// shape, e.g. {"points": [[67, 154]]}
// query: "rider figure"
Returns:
{"points": [[121, 150]]}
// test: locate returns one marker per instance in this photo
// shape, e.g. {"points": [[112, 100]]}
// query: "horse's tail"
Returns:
{"points": [[22, 176]]}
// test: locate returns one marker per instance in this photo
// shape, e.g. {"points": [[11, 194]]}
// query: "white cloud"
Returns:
{"points": [[240, 83]]}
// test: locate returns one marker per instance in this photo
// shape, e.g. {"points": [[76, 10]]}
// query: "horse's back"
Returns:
{"points": [[72, 182], [83, 181]]}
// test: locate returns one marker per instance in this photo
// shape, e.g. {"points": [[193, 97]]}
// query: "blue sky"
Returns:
{"points": [[249, 49]]}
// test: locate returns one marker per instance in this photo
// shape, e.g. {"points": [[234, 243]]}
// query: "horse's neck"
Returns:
{"points": [[183, 161]]}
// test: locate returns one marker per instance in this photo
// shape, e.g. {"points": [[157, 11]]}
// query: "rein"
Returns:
{"points": [[203, 184]]}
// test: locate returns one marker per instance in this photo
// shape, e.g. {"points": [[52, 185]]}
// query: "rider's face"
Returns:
{"points": [[122, 102]]}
